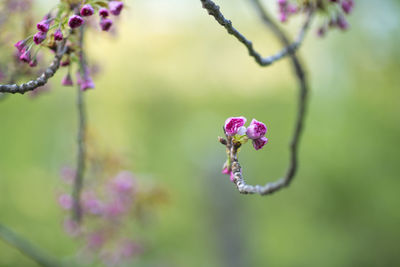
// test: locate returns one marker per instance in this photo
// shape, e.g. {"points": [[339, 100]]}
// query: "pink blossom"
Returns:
{"points": [[58, 36], [225, 171], [347, 6], [105, 24], [115, 7], [256, 129], [87, 10], [123, 182], [87, 83], [39, 37], [91, 203], [342, 22], [260, 142], [65, 201], [103, 12], [75, 21], [25, 56], [33, 63], [43, 26], [233, 124], [20, 45], [67, 80]]}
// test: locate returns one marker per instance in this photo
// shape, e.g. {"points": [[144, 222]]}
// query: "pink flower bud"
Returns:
{"points": [[87, 10], [225, 171], [342, 22], [256, 129], [282, 2], [115, 7], [25, 56], [233, 124], [123, 182], [347, 6], [105, 24], [75, 21], [103, 12], [283, 17], [20, 45], [91, 203], [33, 63], [67, 80], [260, 142], [58, 36], [39, 37], [65, 201], [87, 83], [43, 26]]}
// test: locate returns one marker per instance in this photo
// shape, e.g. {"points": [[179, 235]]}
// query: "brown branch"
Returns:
{"points": [[42, 79], [80, 169], [235, 167], [214, 10], [26, 248]]}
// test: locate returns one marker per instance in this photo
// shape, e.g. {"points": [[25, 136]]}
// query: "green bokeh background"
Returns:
{"points": [[169, 80]]}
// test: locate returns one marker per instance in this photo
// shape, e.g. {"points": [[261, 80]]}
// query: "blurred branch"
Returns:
{"points": [[80, 169], [232, 148], [214, 10], [26, 248], [42, 79]]}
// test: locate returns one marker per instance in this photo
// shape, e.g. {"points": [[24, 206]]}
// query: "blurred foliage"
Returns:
{"points": [[167, 85]]}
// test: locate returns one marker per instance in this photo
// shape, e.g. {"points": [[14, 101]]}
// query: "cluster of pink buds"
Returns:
{"points": [[58, 25], [337, 19], [234, 126], [287, 9], [237, 135], [87, 10], [333, 11], [105, 206]]}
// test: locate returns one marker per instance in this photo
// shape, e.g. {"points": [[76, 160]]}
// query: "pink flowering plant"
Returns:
{"points": [[111, 197], [236, 135]]}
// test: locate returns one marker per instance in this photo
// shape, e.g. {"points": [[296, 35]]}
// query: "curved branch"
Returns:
{"points": [[26, 248], [232, 150], [214, 10], [42, 79]]}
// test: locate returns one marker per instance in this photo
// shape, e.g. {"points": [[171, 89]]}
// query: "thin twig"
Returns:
{"points": [[272, 187], [80, 169], [214, 10], [42, 79], [26, 248]]}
